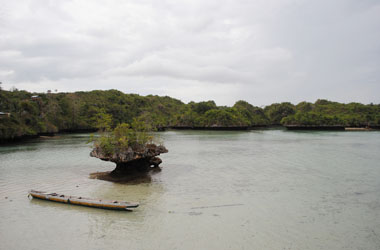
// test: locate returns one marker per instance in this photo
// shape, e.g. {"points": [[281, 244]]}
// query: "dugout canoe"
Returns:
{"points": [[81, 201]]}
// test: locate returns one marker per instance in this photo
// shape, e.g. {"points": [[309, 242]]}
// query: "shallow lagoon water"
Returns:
{"points": [[269, 189]]}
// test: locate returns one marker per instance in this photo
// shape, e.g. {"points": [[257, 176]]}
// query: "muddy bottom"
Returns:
{"points": [[130, 178]]}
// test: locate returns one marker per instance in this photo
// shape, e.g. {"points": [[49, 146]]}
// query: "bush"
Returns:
{"points": [[135, 136]]}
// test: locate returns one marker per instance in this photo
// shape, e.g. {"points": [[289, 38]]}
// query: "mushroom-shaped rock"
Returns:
{"points": [[131, 160]]}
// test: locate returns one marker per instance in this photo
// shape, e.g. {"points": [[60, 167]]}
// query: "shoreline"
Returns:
{"points": [[46, 135], [25, 138]]}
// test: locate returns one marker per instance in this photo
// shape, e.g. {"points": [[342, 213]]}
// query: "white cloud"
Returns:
{"points": [[260, 51]]}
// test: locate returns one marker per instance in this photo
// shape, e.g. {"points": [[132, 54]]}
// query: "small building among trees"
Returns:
{"points": [[3, 114]]}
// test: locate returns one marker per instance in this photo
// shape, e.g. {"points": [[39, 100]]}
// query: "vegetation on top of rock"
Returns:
{"points": [[131, 147], [123, 138]]}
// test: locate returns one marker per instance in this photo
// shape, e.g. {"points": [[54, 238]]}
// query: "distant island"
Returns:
{"points": [[24, 114]]}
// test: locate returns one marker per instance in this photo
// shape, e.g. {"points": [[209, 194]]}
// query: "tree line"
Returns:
{"points": [[31, 114]]}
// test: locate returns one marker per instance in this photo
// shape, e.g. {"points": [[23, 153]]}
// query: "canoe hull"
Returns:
{"points": [[81, 201]]}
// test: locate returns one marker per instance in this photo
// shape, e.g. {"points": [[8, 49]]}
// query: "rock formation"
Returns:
{"points": [[130, 160]]}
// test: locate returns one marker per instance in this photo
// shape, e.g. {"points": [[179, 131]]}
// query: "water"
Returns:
{"points": [[270, 189]]}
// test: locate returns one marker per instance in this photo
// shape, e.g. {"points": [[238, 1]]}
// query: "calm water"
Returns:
{"points": [[269, 189]]}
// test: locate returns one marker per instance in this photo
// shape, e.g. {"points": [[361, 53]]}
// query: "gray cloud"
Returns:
{"points": [[260, 51]]}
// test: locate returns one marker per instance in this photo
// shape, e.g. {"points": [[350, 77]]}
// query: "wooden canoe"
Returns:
{"points": [[88, 202]]}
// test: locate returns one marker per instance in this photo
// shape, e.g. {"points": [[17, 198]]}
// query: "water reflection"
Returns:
{"points": [[132, 178]]}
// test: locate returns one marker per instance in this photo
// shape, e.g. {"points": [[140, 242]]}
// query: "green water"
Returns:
{"points": [[270, 189]]}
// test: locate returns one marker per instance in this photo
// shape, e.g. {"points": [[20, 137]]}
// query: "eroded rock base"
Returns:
{"points": [[136, 166], [133, 171], [136, 178]]}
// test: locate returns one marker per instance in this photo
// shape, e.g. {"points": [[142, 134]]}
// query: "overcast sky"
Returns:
{"points": [[262, 51]]}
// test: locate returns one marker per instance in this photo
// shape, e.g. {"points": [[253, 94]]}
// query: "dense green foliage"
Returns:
{"points": [[80, 111], [253, 116], [324, 112], [53, 112], [124, 136], [207, 114], [277, 111]]}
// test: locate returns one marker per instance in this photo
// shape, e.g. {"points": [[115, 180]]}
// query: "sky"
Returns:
{"points": [[261, 51]]}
